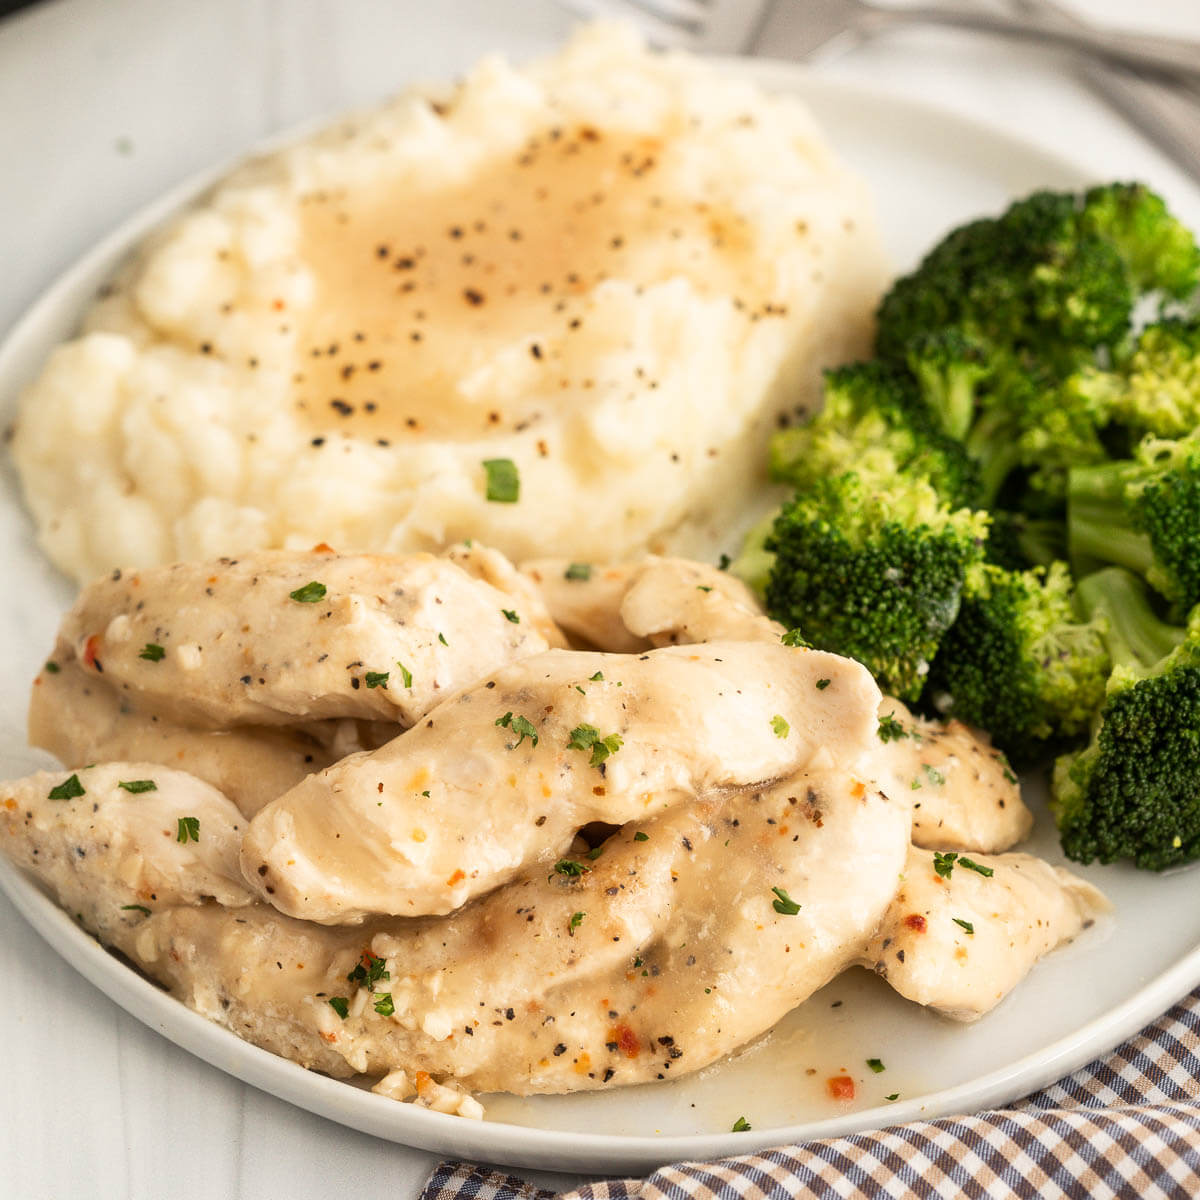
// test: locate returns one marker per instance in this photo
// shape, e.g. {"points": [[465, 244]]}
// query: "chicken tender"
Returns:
{"points": [[621, 973], [964, 794], [275, 637], [80, 719], [125, 839], [629, 607], [959, 939], [506, 772]]}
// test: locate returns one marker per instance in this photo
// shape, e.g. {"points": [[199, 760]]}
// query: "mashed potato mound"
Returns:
{"points": [[616, 269]]}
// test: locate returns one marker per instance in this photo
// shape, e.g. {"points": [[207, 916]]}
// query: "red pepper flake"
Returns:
{"points": [[916, 923], [89, 651], [457, 877], [840, 1087], [323, 548], [627, 1041]]}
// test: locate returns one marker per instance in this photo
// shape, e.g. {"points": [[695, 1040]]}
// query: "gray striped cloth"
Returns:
{"points": [[1126, 1125]]}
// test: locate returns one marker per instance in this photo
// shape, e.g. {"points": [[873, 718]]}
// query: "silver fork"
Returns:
{"points": [[731, 27]]}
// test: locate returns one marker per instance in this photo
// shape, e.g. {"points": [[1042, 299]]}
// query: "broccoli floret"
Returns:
{"points": [[1019, 662], [1037, 280], [1160, 253], [1144, 514], [1061, 428], [874, 420], [1155, 387], [1011, 324], [1134, 792], [873, 569]]}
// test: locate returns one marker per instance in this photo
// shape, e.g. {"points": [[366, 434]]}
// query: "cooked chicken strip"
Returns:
{"points": [[685, 937], [80, 719], [507, 771], [964, 794], [482, 562], [651, 602], [278, 636], [960, 944], [123, 839]]}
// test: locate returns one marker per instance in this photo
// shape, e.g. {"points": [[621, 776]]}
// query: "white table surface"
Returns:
{"points": [[105, 103]]}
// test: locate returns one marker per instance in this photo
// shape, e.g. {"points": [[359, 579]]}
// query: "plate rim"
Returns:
{"points": [[496, 1141]]}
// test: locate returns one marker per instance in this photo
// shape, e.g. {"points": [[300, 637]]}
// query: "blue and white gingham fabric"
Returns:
{"points": [[1126, 1125]]}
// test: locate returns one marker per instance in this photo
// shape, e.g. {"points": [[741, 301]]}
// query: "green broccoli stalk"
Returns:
{"points": [[1017, 541], [1144, 514], [754, 561], [1018, 662], [873, 569], [1134, 792]]}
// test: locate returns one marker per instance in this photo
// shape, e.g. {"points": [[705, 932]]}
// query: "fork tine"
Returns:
{"points": [[712, 26], [663, 29]]}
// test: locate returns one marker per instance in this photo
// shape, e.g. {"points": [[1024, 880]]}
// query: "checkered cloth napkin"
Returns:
{"points": [[1127, 1125]]}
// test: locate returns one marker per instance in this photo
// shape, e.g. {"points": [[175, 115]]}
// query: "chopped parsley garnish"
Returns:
{"points": [[597, 678], [442, 639], [520, 726], [703, 587], [511, 615], [52, 668], [781, 727], [579, 572], [136, 786], [152, 652], [641, 837], [405, 674], [595, 852], [893, 1096], [570, 868], [69, 789], [784, 903], [378, 679], [369, 970], [188, 829], [310, 593], [723, 562], [503, 482], [741, 1125], [934, 776], [876, 1065], [943, 864], [135, 908], [978, 868], [890, 730], [340, 1005], [822, 684], [794, 637], [965, 925], [576, 921], [587, 737], [383, 1004]]}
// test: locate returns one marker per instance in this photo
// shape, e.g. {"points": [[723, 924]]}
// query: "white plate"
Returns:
{"points": [[930, 170]]}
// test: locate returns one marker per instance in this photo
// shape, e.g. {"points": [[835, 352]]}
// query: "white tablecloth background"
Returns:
{"points": [[104, 104]]}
